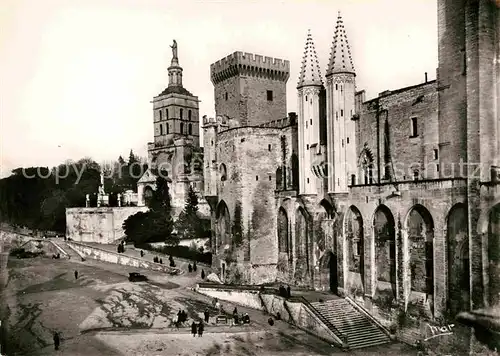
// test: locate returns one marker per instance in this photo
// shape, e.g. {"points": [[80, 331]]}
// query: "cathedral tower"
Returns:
{"points": [[250, 88], [310, 114], [340, 92]]}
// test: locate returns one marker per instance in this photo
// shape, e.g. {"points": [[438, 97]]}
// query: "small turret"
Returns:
{"points": [[310, 72], [340, 57]]}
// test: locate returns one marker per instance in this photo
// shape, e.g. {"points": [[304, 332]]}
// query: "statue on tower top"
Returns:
{"points": [[174, 50]]}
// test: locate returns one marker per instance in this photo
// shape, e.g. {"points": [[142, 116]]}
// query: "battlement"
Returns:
{"points": [[249, 64], [290, 120]]}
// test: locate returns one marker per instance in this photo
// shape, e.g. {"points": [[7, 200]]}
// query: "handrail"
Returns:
{"points": [[332, 327], [362, 310]]}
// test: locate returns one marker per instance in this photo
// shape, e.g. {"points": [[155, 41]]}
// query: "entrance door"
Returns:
{"points": [[333, 273]]}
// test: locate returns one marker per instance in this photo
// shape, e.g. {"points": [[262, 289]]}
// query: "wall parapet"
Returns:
{"points": [[100, 254]]}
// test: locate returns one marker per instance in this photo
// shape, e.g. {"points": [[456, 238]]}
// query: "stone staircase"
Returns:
{"points": [[359, 330]]}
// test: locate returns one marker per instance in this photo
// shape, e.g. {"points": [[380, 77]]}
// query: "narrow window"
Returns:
{"points": [[307, 146], [270, 178], [341, 112], [182, 127], [306, 98], [160, 114], [337, 115], [306, 124], [256, 177], [437, 167], [189, 114], [353, 179], [436, 155], [414, 131], [307, 180], [341, 89], [181, 114], [166, 112], [311, 121], [167, 126], [226, 95], [269, 95], [190, 128], [161, 128], [336, 87], [212, 142], [348, 140], [415, 175], [269, 147], [342, 142]]}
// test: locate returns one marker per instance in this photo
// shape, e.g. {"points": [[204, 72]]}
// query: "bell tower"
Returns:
{"points": [[340, 92]]}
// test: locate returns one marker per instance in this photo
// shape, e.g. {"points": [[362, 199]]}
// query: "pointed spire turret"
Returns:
{"points": [[310, 73], [340, 57]]}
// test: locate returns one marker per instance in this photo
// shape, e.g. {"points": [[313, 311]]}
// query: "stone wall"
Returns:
{"points": [[295, 313], [101, 225], [118, 258]]}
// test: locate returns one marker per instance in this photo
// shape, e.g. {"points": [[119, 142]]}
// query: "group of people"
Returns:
{"points": [[243, 318], [192, 268], [56, 257], [181, 317], [157, 260], [197, 328], [285, 292]]}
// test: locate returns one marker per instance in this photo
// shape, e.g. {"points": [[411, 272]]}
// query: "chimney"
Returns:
{"points": [[426, 77]]}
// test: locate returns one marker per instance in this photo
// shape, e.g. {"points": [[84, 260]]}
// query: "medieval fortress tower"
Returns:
{"points": [[391, 201]]}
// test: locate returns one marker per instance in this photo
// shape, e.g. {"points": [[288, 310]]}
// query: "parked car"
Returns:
{"points": [[137, 277]]}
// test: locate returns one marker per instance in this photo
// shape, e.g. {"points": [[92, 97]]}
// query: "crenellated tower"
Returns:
{"points": [[211, 126], [250, 89], [311, 98], [340, 93]]}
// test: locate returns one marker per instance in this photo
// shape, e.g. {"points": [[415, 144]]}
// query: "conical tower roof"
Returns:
{"points": [[310, 72], [340, 56]]}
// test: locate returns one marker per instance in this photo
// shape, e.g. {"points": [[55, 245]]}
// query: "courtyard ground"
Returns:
{"points": [[102, 313]]}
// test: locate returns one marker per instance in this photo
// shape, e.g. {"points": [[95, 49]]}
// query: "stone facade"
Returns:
{"points": [[101, 225], [404, 214]]}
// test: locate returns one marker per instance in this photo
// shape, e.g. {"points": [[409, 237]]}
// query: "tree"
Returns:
{"points": [[189, 224]]}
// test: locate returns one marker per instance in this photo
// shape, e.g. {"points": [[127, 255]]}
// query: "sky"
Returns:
{"points": [[77, 77]]}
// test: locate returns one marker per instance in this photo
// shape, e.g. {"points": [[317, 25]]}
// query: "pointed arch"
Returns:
{"points": [[329, 210], [354, 232], [283, 233], [301, 244], [223, 224], [385, 247], [420, 227], [457, 240], [366, 164]]}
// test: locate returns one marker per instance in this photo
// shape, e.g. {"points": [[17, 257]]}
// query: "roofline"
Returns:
{"points": [[398, 91]]}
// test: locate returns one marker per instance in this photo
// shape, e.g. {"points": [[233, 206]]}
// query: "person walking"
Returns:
{"points": [[57, 341], [200, 328], [193, 328], [76, 274], [207, 316]]}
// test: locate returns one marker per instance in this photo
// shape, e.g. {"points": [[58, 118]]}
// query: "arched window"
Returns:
{"points": [[223, 172], [161, 129], [181, 114], [189, 114], [190, 128], [182, 126]]}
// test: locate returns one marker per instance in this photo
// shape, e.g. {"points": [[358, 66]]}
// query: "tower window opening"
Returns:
{"points": [[226, 95], [414, 127], [166, 112], [256, 177], [190, 128], [341, 112], [306, 124], [167, 127], [307, 180], [160, 114], [212, 142], [341, 89], [348, 140], [436, 154], [269, 95], [182, 127], [353, 179], [342, 142], [307, 146], [415, 175], [270, 178], [336, 87], [189, 114], [437, 167], [337, 115], [161, 129], [310, 121], [181, 114], [269, 147], [306, 99]]}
